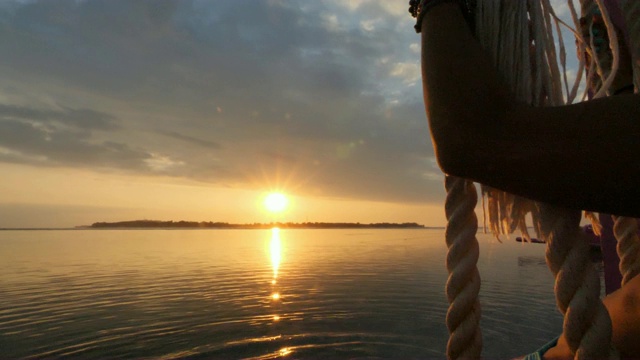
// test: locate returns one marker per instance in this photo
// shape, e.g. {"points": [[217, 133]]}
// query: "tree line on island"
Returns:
{"points": [[144, 224]]}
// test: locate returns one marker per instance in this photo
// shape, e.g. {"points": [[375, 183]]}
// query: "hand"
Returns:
{"points": [[559, 352]]}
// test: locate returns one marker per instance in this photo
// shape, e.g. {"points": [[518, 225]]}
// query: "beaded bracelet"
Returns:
{"points": [[418, 8]]}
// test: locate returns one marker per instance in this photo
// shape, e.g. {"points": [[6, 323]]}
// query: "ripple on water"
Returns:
{"points": [[203, 294]]}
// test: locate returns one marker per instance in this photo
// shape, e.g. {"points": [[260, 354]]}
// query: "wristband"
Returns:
{"points": [[418, 8]]}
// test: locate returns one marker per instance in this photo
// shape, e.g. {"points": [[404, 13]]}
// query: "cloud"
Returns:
{"points": [[55, 146], [191, 139], [408, 72], [291, 92], [79, 118]]}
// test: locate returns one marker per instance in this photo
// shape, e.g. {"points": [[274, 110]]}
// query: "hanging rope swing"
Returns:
{"points": [[520, 37]]}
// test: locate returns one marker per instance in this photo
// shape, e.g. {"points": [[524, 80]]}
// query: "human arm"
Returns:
{"points": [[623, 306], [584, 156]]}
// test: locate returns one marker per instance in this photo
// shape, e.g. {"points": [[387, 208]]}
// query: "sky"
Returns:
{"points": [[117, 110]]}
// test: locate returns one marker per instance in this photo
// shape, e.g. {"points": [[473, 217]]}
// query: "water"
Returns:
{"points": [[258, 294]]}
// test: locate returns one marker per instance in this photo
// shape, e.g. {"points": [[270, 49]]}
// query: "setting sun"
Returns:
{"points": [[275, 202]]}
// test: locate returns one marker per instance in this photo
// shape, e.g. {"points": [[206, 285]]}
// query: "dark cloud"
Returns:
{"points": [[53, 146], [190, 139], [265, 90], [80, 118]]}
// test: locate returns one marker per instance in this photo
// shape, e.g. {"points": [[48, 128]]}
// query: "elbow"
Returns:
{"points": [[452, 160], [468, 146], [448, 139], [460, 142]]}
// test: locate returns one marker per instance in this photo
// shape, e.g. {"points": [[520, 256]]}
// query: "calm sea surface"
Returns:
{"points": [[258, 294]]}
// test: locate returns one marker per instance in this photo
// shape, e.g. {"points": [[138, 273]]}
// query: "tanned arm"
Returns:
{"points": [[584, 156], [624, 308]]}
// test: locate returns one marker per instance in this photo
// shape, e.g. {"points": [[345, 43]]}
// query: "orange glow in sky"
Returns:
{"points": [[216, 128]]}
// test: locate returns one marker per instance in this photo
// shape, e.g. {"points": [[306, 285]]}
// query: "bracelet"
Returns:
{"points": [[418, 8]]}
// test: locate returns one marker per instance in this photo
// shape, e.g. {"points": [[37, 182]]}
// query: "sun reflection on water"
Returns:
{"points": [[275, 249], [276, 253]]}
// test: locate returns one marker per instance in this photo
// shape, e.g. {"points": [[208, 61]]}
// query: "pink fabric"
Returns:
{"points": [[608, 242], [610, 259]]}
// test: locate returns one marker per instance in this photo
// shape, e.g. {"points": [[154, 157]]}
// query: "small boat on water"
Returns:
{"points": [[594, 239], [533, 240]]}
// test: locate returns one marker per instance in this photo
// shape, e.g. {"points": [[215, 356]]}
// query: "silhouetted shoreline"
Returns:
{"points": [[152, 224]]}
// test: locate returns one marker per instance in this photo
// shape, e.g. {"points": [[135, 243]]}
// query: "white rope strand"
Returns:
{"points": [[626, 229], [529, 61], [626, 232], [463, 284], [615, 51], [581, 48], [586, 326], [555, 95]]}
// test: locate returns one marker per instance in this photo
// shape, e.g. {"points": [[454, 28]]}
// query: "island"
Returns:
{"points": [[158, 224]]}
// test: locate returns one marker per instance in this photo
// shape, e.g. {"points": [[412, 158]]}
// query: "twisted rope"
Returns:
{"points": [[626, 231], [536, 78], [463, 284], [606, 62], [586, 326]]}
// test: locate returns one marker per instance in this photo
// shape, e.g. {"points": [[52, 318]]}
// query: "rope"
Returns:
{"points": [[534, 75], [463, 284], [626, 232], [586, 326], [608, 62], [626, 229], [527, 58], [631, 10], [510, 51]]}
